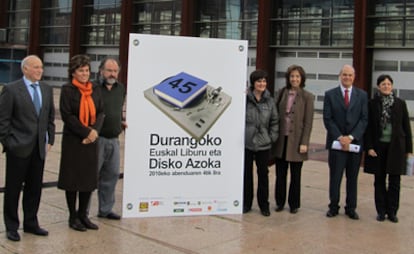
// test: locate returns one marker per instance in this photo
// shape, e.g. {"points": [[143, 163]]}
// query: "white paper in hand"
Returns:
{"points": [[336, 145], [410, 165]]}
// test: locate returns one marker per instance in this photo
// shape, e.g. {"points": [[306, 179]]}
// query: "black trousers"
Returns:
{"points": [[281, 183], [26, 173], [387, 198], [340, 161], [281, 180], [262, 160]]}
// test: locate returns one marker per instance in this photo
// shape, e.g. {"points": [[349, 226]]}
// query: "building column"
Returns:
{"points": [[362, 57], [187, 17], [4, 7], [33, 47], [265, 56], [125, 29], [75, 28]]}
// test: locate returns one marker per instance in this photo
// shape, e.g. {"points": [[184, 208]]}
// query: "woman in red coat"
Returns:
{"points": [[388, 142]]}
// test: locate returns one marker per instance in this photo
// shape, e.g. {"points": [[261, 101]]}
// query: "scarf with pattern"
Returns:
{"points": [[387, 102]]}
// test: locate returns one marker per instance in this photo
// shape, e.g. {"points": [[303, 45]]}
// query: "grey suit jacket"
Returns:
{"points": [[19, 124], [341, 120]]}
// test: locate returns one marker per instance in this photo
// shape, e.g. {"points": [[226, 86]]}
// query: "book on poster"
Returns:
{"points": [[180, 89]]}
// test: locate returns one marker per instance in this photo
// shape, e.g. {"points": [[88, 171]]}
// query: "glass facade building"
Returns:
{"points": [[101, 24], [55, 22], [390, 23], [376, 36], [157, 17], [310, 23], [230, 19]]}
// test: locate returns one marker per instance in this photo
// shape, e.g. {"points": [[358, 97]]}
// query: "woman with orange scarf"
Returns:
{"points": [[81, 108]]}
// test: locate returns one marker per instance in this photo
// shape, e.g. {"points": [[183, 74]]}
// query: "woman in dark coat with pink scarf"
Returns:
{"points": [[388, 143]]}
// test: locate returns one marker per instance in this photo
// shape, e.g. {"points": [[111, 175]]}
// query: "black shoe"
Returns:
{"points": [[352, 214], [36, 231], [331, 213], [88, 223], [246, 209], [13, 235], [110, 216], [77, 225], [279, 209], [380, 217], [393, 218], [265, 212], [293, 210]]}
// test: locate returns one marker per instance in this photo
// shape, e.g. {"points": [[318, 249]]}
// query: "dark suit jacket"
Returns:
{"points": [[19, 123], [401, 138], [340, 120]]}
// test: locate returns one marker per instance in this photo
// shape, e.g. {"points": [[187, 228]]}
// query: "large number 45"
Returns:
{"points": [[185, 88]]}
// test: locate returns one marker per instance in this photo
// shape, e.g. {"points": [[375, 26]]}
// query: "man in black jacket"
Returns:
{"points": [[113, 94]]}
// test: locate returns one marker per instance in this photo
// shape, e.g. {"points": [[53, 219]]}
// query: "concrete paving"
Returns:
{"points": [[308, 231]]}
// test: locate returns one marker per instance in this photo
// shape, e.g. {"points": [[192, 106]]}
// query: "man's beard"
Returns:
{"points": [[110, 81]]}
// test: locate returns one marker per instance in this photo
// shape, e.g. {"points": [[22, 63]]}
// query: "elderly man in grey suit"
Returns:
{"points": [[27, 132], [345, 116]]}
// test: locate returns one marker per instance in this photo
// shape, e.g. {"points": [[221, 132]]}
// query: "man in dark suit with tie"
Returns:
{"points": [[345, 116], [27, 132]]}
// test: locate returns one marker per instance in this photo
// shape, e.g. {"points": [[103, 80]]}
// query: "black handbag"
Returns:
{"points": [[371, 164]]}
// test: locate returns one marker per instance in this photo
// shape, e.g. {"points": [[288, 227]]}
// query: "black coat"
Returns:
{"points": [[79, 162], [401, 139]]}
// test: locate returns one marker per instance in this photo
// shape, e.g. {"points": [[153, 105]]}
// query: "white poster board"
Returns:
{"points": [[185, 157]]}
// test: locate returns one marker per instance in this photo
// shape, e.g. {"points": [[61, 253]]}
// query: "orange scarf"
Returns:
{"points": [[87, 110]]}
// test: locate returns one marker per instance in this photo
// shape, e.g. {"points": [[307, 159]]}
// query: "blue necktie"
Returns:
{"points": [[36, 99]]}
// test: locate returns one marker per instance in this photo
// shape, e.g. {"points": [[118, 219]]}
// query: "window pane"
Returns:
{"points": [[55, 22], [380, 65], [233, 19], [391, 23], [19, 4], [310, 33], [102, 24], [388, 8], [287, 33], [409, 33], [163, 17], [407, 66], [19, 35], [388, 33], [313, 23], [342, 33], [55, 17], [54, 35], [343, 8]]}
